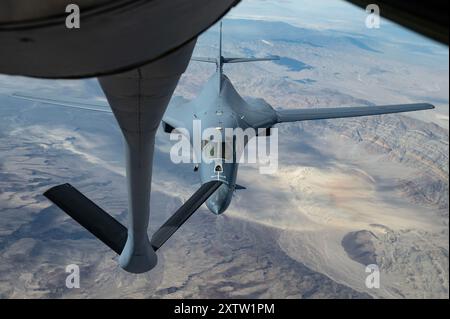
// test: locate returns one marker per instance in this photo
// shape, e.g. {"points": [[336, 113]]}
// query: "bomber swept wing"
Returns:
{"points": [[176, 114], [259, 114], [343, 112], [82, 104]]}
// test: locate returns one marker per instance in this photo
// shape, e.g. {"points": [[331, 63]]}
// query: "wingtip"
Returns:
{"points": [[428, 106], [425, 106]]}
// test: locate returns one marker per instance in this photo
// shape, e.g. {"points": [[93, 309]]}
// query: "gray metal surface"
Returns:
{"points": [[17, 11], [183, 214], [89, 215], [115, 36], [138, 99]]}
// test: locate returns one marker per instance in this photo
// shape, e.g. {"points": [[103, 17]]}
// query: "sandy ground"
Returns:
{"points": [[317, 206]]}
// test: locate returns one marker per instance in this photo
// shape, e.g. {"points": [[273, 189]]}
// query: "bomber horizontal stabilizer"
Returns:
{"points": [[111, 232], [204, 59], [244, 60]]}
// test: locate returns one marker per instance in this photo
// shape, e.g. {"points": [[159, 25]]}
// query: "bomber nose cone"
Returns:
{"points": [[219, 201], [215, 207]]}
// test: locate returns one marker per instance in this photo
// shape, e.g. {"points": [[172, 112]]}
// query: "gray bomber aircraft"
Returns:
{"points": [[218, 106]]}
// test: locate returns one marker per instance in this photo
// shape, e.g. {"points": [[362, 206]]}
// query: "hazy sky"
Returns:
{"points": [[311, 13], [322, 14]]}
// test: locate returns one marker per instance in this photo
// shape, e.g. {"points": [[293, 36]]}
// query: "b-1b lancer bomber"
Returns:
{"points": [[218, 107]]}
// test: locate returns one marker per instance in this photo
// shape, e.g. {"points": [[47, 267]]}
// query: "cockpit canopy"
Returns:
{"points": [[214, 150]]}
